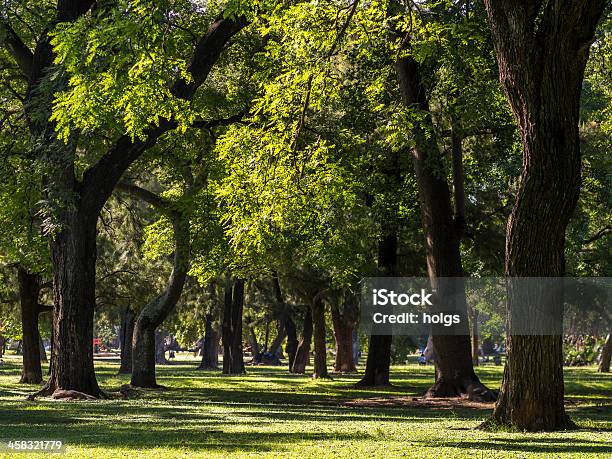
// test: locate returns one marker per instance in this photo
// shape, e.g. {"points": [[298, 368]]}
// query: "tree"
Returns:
{"points": [[542, 50], [73, 204], [231, 328]]}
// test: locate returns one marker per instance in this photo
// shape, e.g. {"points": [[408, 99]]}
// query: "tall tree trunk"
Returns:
{"points": [[1, 345], [378, 362], [542, 49], [344, 324], [292, 341], [302, 354], [126, 337], [233, 359], [210, 352], [320, 348], [288, 324], [454, 369], [144, 349], [474, 323], [29, 290], [253, 343], [606, 355], [73, 253]]}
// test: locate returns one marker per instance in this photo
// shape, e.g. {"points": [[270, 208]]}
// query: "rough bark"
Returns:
{"points": [[344, 322], [302, 354], [75, 205], [210, 352], [606, 355], [233, 359], [144, 348], [29, 291], [126, 337], [454, 369], [320, 348], [542, 49]]}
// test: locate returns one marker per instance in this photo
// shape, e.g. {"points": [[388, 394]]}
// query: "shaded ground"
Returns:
{"points": [[270, 413]]}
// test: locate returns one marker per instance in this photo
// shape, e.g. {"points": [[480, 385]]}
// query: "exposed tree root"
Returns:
{"points": [[471, 389]]}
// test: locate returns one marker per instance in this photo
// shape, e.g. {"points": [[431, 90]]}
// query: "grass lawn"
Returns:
{"points": [[271, 413]]}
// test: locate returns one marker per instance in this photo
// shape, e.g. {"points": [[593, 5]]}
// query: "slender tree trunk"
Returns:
{"points": [[255, 352], [43, 353], [288, 324], [378, 362], [292, 341], [1, 346], [303, 351], [145, 343], [126, 337], [542, 49], [318, 319], [233, 359], [606, 355], [276, 348], [29, 290], [160, 348], [474, 333], [210, 352], [454, 369]]}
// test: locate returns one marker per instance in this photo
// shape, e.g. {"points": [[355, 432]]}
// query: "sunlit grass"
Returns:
{"points": [[271, 413]]}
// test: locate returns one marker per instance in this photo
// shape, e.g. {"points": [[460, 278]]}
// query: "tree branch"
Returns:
{"points": [[100, 179], [16, 47], [145, 195]]}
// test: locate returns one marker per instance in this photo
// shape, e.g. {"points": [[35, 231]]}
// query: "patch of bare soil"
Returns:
{"points": [[418, 402]]}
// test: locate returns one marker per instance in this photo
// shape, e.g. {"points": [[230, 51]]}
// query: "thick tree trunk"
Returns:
{"points": [[344, 324], [454, 369], [73, 252], [233, 359], [29, 290], [606, 355], [126, 338], [320, 348], [302, 354], [210, 352], [542, 49], [145, 343]]}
